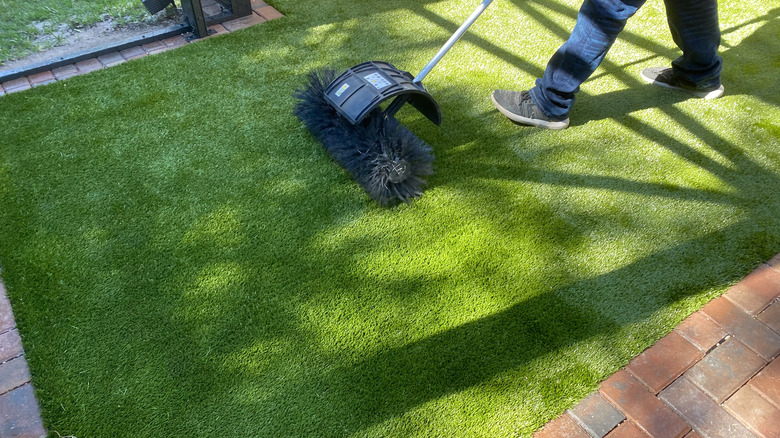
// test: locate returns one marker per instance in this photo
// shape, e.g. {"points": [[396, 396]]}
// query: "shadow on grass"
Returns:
{"points": [[340, 399], [225, 329], [327, 396]]}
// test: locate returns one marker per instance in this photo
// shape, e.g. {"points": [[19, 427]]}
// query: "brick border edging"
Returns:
{"points": [[715, 374], [261, 12], [19, 411]]}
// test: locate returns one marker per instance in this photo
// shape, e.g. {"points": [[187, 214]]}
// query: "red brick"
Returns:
{"points": [[771, 316], [702, 412], [6, 315], [701, 331], [665, 361], [596, 415], [10, 345], [42, 78], [767, 382], [747, 329], [628, 429], [89, 65], [642, 407], [153, 47], [725, 369], [133, 53], [755, 412], [177, 41], [65, 72], [13, 374], [775, 262], [269, 13], [17, 84], [111, 59], [757, 290], [240, 23], [153, 50], [217, 29], [562, 427], [20, 415]]}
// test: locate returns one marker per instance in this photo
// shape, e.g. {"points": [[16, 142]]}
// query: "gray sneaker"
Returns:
{"points": [[665, 77], [518, 106]]}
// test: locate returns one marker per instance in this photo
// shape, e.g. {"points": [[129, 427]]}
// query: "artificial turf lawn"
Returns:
{"points": [[183, 258]]}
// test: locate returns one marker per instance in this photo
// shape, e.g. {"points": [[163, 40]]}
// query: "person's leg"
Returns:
{"points": [[598, 24], [548, 104], [695, 30]]}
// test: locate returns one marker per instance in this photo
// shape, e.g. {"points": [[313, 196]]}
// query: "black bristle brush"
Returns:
{"points": [[385, 158]]}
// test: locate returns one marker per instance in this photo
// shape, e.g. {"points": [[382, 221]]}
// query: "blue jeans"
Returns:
{"points": [[694, 27]]}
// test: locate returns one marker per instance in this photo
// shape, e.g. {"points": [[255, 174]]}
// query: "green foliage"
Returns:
{"points": [[184, 259]]}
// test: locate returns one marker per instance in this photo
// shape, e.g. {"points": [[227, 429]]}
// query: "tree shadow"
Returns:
{"points": [[334, 397], [751, 65], [236, 290]]}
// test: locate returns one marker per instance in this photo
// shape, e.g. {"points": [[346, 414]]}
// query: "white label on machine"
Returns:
{"points": [[377, 80], [342, 89]]}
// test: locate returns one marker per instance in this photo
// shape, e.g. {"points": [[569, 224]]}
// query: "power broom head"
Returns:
{"points": [[384, 157]]}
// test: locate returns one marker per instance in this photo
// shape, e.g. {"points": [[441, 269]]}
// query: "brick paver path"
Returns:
{"points": [[716, 375], [19, 415]]}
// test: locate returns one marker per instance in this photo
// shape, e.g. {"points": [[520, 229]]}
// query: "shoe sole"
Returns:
{"points": [[548, 124], [707, 95]]}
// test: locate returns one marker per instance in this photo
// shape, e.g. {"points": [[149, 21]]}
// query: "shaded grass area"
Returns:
{"points": [[184, 259]]}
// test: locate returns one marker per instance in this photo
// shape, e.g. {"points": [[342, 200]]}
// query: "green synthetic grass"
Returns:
{"points": [[183, 258]]}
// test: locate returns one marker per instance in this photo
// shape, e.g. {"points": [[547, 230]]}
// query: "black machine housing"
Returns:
{"points": [[366, 86]]}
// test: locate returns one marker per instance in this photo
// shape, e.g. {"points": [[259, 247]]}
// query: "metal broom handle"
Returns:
{"points": [[453, 39]]}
